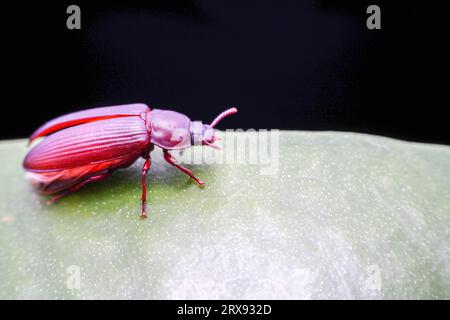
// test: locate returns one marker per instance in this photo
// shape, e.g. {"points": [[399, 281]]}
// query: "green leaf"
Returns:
{"points": [[346, 216]]}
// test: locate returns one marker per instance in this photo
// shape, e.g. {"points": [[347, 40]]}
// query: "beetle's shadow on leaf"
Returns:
{"points": [[164, 183]]}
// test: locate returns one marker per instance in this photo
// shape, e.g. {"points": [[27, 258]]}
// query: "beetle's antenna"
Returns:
{"points": [[224, 114]]}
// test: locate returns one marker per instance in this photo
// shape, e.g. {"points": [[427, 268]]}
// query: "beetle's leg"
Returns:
{"points": [[168, 157], [145, 169], [77, 186]]}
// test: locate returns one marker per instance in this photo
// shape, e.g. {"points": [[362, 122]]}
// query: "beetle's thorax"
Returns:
{"points": [[169, 129]]}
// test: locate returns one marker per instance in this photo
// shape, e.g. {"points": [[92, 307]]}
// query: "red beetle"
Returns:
{"points": [[87, 146]]}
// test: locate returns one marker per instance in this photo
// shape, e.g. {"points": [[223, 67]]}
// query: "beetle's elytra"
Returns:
{"points": [[87, 146]]}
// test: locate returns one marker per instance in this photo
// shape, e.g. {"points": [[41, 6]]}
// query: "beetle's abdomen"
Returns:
{"points": [[170, 129], [55, 181]]}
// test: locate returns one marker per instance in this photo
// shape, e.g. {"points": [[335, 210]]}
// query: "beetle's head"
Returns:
{"points": [[204, 134]]}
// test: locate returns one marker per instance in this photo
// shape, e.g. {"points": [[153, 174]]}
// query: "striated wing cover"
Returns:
{"points": [[90, 143]]}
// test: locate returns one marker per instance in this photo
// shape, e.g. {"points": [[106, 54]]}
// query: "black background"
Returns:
{"points": [[304, 65]]}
